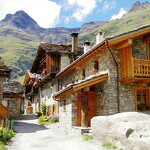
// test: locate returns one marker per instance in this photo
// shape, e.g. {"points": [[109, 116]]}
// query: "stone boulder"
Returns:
{"points": [[129, 131]]}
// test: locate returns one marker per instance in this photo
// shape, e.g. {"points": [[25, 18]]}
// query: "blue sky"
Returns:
{"points": [[68, 13]]}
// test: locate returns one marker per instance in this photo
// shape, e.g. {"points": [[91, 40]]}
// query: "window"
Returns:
{"points": [[142, 99], [95, 67]]}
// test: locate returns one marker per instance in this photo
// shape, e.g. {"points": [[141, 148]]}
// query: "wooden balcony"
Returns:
{"points": [[136, 70], [141, 68], [4, 112]]}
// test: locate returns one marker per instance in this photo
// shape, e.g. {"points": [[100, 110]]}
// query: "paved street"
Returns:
{"points": [[31, 136]]}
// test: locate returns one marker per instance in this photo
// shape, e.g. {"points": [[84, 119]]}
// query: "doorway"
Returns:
{"points": [[86, 103]]}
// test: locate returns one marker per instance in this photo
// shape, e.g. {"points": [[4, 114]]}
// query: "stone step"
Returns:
{"points": [[81, 130]]}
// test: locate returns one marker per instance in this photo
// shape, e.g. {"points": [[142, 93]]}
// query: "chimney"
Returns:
{"points": [[99, 36], [74, 41], [86, 46]]}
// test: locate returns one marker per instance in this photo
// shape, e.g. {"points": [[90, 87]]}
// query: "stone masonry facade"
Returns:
{"points": [[106, 91], [14, 107]]}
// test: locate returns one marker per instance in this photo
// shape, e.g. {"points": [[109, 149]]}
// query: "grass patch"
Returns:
{"points": [[109, 145], [87, 137], [2, 146], [6, 135], [44, 120]]}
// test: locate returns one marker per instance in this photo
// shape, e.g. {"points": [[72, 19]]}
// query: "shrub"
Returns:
{"points": [[6, 135], [2, 147], [42, 119], [39, 113], [43, 108], [54, 119]]}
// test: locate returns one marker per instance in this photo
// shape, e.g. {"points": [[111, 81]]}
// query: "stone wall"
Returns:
{"points": [[47, 92], [106, 91], [126, 91], [67, 113], [139, 48], [14, 107], [64, 61], [36, 104]]}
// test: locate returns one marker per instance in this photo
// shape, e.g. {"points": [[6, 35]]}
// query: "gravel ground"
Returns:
{"points": [[31, 136]]}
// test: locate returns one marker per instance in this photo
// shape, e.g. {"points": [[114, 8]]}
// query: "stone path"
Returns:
{"points": [[31, 136]]}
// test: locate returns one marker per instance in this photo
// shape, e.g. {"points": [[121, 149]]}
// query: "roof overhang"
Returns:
{"points": [[112, 41], [75, 87]]}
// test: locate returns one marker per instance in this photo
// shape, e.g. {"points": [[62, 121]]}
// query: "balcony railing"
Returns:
{"points": [[141, 68], [4, 112]]}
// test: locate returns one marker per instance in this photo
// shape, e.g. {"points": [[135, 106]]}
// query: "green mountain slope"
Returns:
{"points": [[128, 22], [18, 53]]}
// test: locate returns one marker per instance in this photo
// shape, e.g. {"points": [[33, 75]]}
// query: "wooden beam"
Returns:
{"points": [[135, 80], [124, 44], [90, 82]]}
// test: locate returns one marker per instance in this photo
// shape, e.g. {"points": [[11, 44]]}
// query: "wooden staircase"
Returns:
{"points": [[4, 112]]}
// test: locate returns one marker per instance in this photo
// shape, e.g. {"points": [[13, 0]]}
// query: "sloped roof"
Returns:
{"points": [[51, 49], [113, 40], [13, 87], [55, 47], [28, 76]]}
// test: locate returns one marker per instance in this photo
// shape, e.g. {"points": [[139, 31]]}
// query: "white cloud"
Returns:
{"points": [[44, 12], [119, 15], [81, 8], [109, 5]]}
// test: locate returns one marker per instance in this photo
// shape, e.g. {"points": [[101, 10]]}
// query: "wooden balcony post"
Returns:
{"points": [[132, 67]]}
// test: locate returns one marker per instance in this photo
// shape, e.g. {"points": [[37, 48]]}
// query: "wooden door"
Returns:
{"points": [[78, 112], [92, 111]]}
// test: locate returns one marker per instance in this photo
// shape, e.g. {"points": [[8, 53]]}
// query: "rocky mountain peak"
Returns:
{"points": [[20, 20], [138, 5]]}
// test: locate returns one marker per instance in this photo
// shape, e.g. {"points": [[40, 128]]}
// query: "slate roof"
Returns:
{"points": [[13, 87]]}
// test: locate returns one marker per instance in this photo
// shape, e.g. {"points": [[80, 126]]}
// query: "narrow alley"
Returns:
{"points": [[31, 136]]}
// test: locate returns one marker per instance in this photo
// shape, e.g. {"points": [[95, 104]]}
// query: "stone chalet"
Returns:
{"points": [[111, 77], [40, 82], [4, 73], [12, 98]]}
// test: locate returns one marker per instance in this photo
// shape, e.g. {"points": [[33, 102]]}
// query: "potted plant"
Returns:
{"points": [[142, 107]]}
